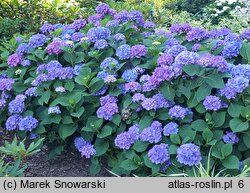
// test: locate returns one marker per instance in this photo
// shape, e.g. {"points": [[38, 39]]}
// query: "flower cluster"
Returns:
{"points": [[85, 148], [126, 139], [108, 107]]}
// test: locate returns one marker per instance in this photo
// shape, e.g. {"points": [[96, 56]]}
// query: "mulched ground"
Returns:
{"points": [[70, 164], [67, 165]]}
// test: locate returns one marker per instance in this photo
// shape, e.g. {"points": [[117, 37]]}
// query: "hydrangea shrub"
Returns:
{"points": [[146, 99]]}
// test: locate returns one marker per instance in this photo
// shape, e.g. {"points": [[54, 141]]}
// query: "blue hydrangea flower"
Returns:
{"points": [[28, 123], [110, 63], [189, 154], [119, 37], [123, 52], [153, 133], [97, 33], [101, 44], [54, 110], [16, 106], [37, 40], [126, 139], [170, 128], [149, 104], [178, 112], [12, 122], [230, 137], [26, 63], [159, 154], [31, 92], [87, 151], [23, 48], [212, 103], [130, 75]]}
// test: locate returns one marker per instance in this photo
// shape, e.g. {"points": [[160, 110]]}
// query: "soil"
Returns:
{"points": [[70, 164]]}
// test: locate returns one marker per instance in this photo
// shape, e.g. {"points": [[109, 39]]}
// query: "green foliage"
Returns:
{"points": [[18, 150], [11, 170]]}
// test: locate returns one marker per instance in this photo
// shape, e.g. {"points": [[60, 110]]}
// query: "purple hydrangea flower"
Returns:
{"points": [[153, 133], [6, 84], [245, 35], [112, 23], [219, 33], [212, 103], [137, 17], [144, 78], [14, 60], [230, 137], [107, 100], [165, 59], [189, 154], [209, 60], [170, 128], [79, 142], [163, 33], [180, 28], [107, 111], [12, 122], [28, 123], [87, 150], [77, 36], [16, 106], [123, 52], [2, 103], [128, 138], [23, 48], [79, 24], [119, 37], [95, 19], [233, 86], [197, 34], [149, 104], [54, 47], [185, 58], [132, 86], [26, 63], [161, 101], [159, 154], [178, 112], [138, 51], [102, 8], [175, 50], [163, 73], [196, 47], [54, 110], [122, 16], [31, 92], [101, 44], [149, 25], [37, 40], [138, 97], [47, 28]]}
